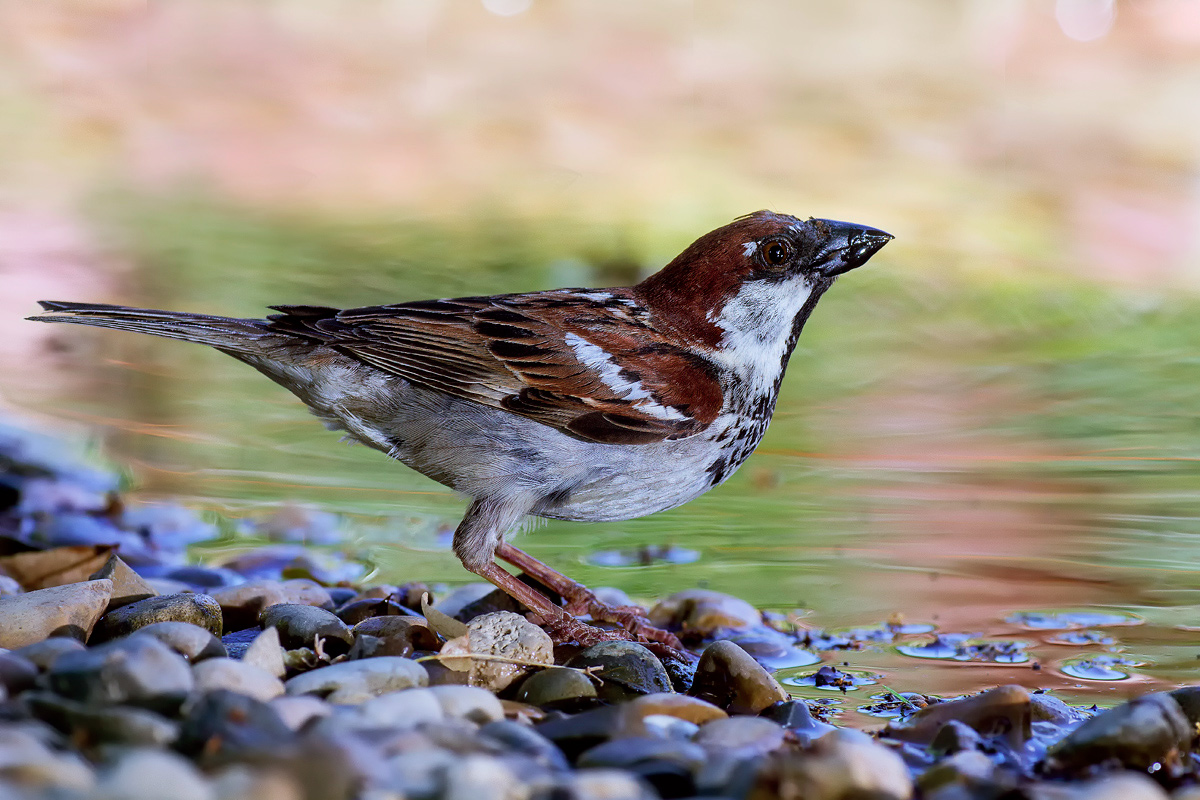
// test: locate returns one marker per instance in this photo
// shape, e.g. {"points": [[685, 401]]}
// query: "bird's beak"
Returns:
{"points": [[848, 246]]}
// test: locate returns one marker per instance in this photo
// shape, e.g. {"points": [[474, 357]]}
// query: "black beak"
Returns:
{"points": [[848, 246]]}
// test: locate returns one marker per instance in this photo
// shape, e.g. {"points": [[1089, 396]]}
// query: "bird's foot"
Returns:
{"points": [[633, 620]]}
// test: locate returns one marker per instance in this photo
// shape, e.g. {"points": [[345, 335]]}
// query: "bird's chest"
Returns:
{"points": [[737, 432]]}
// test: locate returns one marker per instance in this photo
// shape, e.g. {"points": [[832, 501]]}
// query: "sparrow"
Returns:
{"points": [[572, 404]]}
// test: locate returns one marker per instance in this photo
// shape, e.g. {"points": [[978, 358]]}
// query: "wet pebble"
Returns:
{"points": [[1145, 731], [192, 642], [356, 681], [627, 670], [1005, 710], [729, 677], [556, 686], [139, 671], [704, 612], [197, 609], [236, 676], [69, 610], [514, 641], [301, 625]]}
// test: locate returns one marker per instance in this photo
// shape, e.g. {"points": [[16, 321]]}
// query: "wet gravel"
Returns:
{"points": [[127, 671]]}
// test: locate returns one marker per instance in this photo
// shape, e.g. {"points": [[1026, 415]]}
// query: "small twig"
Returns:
{"points": [[901, 698], [588, 671]]}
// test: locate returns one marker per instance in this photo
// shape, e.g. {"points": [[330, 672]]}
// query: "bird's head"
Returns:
{"points": [[743, 291]]}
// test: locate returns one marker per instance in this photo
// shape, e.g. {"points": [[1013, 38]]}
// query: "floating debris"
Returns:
{"points": [[1066, 620], [1099, 668]]}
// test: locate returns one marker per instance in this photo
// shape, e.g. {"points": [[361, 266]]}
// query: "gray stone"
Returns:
{"points": [[139, 671], [408, 708], [220, 727], [241, 605], [47, 651], [501, 634], [128, 586], [741, 735], [236, 676], [355, 681], [103, 725], [241, 782], [266, 653], [798, 719], [190, 641], [38, 766], [841, 764], [152, 775], [480, 777], [300, 625], [607, 784], [1145, 731], [69, 610], [516, 737], [729, 677], [17, 673], [307, 592], [1005, 708], [197, 609], [297, 710], [627, 670], [468, 702]]}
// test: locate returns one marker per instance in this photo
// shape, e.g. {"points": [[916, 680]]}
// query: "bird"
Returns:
{"points": [[572, 404]]}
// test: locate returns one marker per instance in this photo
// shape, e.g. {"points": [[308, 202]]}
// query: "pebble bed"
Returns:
{"points": [[126, 672]]}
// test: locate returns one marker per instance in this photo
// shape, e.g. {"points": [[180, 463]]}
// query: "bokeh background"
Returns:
{"points": [[998, 414]]}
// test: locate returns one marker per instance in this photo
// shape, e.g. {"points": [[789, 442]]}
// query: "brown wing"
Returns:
{"points": [[587, 363]]}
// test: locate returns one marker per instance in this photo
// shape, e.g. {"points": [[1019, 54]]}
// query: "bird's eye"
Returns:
{"points": [[777, 253]]}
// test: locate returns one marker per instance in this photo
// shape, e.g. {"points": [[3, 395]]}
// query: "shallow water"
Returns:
{"points": [[1010, 462]]}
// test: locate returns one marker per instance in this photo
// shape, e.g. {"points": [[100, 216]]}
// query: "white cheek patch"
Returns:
{"points": [[598, 359], [757, 326]]}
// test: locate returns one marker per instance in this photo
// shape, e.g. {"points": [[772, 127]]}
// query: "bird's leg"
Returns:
{"points": [[476, 539], [562, 626], [581, 600]]}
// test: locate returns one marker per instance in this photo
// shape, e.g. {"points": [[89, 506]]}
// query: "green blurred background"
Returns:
{"points": [[999, 413]]}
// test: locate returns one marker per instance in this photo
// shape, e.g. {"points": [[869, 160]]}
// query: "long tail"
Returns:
{"points": [[226, 333]]}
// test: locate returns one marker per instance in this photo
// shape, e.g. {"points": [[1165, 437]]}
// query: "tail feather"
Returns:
{"points": [[226, 333]]}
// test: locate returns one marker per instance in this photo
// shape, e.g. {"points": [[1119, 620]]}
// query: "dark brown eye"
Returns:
{"points": [[777, 253]]}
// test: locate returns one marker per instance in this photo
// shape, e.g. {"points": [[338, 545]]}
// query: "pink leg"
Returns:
{"points": [[562, 626], [581, 600]]}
